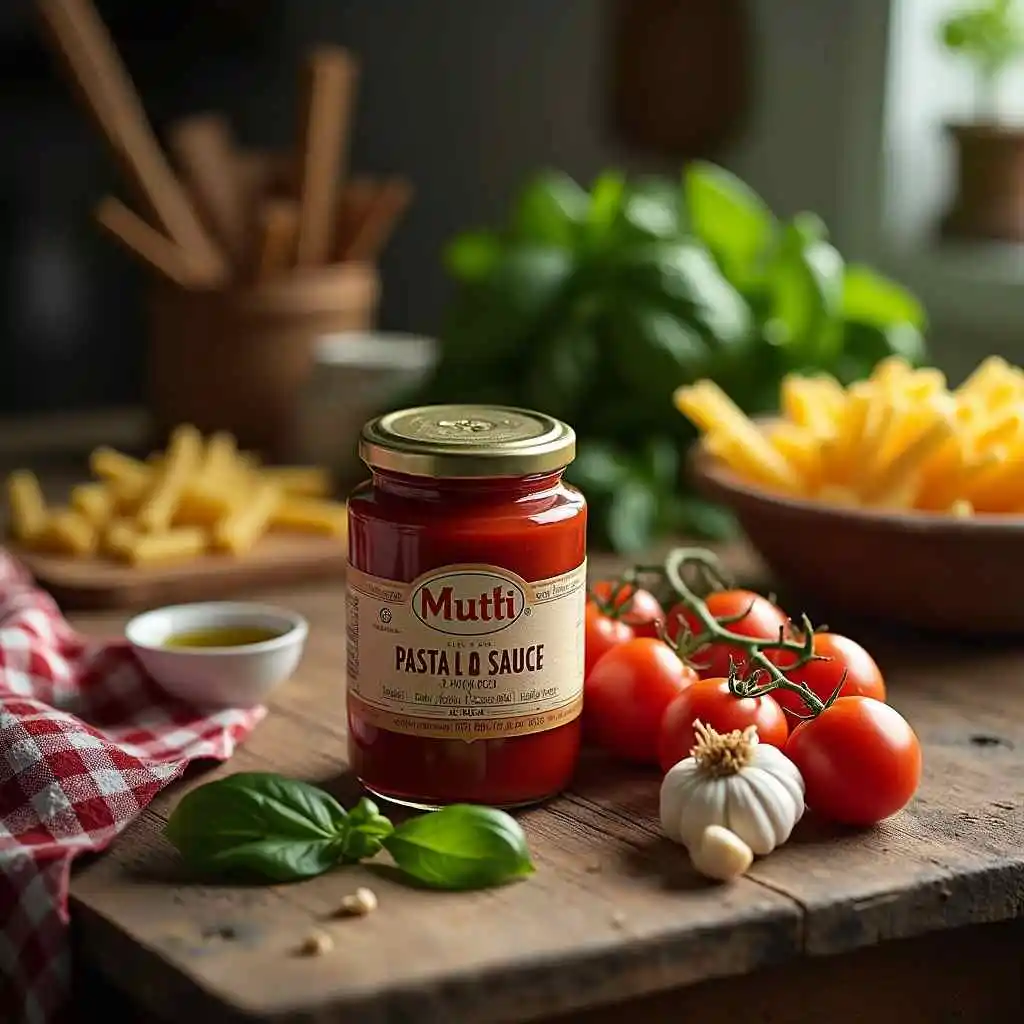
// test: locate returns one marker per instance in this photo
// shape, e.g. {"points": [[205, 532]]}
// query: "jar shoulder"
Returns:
{"points": [[556, 504]]}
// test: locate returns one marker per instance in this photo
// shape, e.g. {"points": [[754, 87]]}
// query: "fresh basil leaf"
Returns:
{"points": [[660, 459], [865, 345], [495, 317], [367, 829], [650, 209], [473, 255], [461, 847], [277, 860], [702, 519], [870, 298], [561, 371], [366, 816], [807, 291], [606, 196], [810, 227], [632, 516], [729, 217], [598, 467], [247, 808], [656, 351], [550, 211], [682, 275]]}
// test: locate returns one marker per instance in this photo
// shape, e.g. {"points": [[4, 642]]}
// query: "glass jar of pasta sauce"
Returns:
{"points": [[465, 613]]}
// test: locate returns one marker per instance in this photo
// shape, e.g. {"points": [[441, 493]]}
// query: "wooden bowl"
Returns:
{"points": [[927, 570]]}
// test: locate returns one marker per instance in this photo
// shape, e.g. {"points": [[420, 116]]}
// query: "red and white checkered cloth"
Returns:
{"points": [[86, 741]]}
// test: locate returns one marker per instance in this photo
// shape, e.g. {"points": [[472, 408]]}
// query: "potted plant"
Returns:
{"points": [[989, 201]]}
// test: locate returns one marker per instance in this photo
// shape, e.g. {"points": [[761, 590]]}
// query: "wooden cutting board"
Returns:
{"points": [[277, 560]]}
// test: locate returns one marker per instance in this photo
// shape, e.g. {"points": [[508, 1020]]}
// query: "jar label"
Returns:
{"points": [[466, 652]]}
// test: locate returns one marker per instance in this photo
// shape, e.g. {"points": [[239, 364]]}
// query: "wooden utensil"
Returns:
{"points": [[278, 229], [327, 99], [99, 75], [385, 208], [205, 154], [144, 241], [263, 174], [354, 203]]}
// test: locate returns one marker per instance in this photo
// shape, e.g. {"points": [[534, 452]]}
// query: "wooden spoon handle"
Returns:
{"points": [[155, 250], [327, 100], [354, 203], [102, 80], [204, 150], [275, 248], [385, 210]]}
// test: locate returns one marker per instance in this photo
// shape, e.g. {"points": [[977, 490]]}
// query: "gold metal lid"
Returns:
{"points": [[453, 441]]}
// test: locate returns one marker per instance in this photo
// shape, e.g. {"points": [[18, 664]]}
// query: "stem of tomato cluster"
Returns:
{"points": [[713, 630]]}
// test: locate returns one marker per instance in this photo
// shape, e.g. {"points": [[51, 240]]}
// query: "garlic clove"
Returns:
{"points": [[749, 815], [676, 789], [708, 804], [775, 762], [777, 803], [721, 854]]}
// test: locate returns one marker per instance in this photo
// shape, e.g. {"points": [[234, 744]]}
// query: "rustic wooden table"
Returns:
{"points": [[918, 920]]}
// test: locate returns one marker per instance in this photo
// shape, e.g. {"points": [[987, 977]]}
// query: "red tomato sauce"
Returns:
{"points": [[401, 528]]}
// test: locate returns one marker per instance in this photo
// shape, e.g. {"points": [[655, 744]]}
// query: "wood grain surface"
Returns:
{"points": [[278, 559], [614, 912]]}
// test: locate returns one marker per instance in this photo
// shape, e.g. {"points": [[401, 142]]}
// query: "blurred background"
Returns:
{"points": [[883, 134], [842, 114]]}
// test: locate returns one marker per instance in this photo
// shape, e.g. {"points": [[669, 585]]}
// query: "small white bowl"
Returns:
{"points": [[236, 676]]}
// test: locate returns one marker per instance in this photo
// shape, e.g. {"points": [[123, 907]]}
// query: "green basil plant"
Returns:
{"points": [[596, 305]]}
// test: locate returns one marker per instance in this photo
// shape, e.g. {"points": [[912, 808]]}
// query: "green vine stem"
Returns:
{"points": [[619, 602], [766, 676]]}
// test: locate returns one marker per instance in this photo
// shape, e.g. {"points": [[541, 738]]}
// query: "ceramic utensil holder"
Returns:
{"points": [[355, 376], [239, 359]]}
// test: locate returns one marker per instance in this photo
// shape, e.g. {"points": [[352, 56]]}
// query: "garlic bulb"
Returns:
{"points": [[732, 780]]}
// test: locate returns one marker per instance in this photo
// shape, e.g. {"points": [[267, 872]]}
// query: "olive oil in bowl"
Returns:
{"points": [[222, 636], [219, 653]]}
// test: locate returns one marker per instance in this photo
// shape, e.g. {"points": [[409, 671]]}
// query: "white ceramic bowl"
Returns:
{"points": [[236, 676]]}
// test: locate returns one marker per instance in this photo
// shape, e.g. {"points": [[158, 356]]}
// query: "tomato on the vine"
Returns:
{"points": [[635, 606], [755, 617], [711, 701], [863, 676], [860, 760], [626, 694], [602, 634]]}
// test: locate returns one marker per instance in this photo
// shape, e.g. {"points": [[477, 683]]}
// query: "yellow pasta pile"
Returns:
{"points": [[200, 495], [899, 440]]}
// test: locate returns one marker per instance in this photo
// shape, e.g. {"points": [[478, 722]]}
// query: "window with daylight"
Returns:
{"points": [[905, 90]]}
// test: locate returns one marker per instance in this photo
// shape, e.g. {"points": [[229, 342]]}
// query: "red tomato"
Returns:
{"points": [[627, 693], [636, 607], [863, 677], [760, 619], [711, 701], [860, 760], [602, 634]]}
